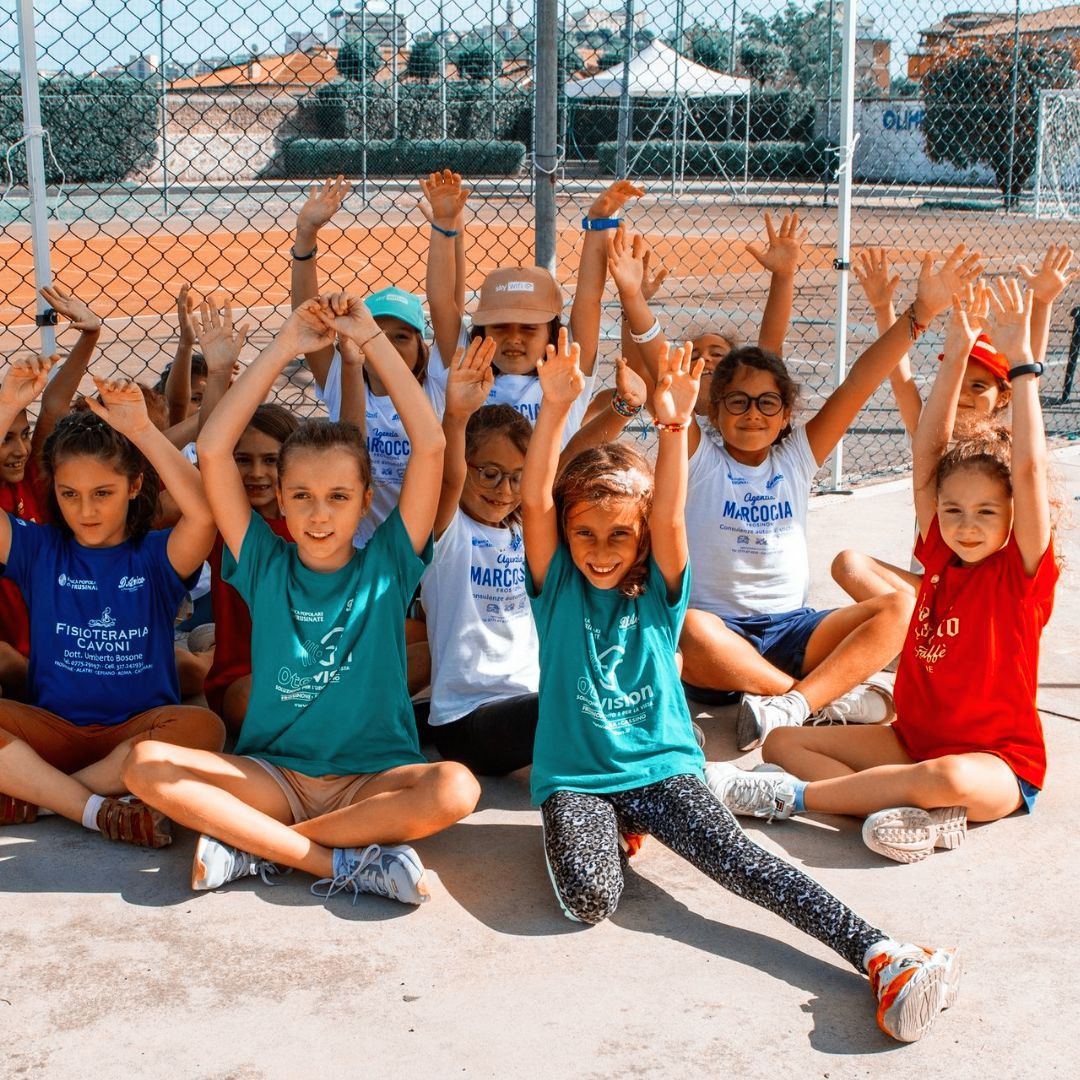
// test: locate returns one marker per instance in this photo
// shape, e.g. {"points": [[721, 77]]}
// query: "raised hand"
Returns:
{"points": [[963, 328], [626, 260], [677, 386], [445, 196], [650, 282], [72, 308], [470, 378], [307, 329], [185, 316], [783, 254], [220, 342], [322, 204], [1048, 282], [24, 381], [1010, 320], [936, 288], [121, 405], [872, 271], [610, 201], [560, 374], [348, 316], [629, 385]]}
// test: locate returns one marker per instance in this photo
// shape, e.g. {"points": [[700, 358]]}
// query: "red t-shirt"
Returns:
{"points": [[232, 627], [969, 669], [25, 500]]}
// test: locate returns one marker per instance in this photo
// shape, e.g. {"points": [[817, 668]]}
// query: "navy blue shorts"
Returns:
{"points": [[782, 638]]}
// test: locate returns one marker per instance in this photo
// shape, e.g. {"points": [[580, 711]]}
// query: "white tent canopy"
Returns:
{"points": [[658, 71]]}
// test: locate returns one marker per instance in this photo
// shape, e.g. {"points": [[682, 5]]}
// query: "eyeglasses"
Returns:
{"points": [[768, 404], [488, 476]]}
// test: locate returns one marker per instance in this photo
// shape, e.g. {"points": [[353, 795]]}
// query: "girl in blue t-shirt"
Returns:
{"points": [[102, 590], [327, 776], [606, 551]]}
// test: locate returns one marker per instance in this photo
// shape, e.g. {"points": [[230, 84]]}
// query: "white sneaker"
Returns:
{"points": [[216, 864], [760, 715], [907, 834], [768, 794], [394, 872], [869, 703], [912, 985]]}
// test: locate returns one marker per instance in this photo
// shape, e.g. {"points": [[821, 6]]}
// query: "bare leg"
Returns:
{"points": [[192, 668], [863, 577], [234, 704], [719, 659], [13, 668]]}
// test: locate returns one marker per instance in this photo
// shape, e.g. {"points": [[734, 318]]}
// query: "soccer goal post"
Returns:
{"points": [[1057, 159]]}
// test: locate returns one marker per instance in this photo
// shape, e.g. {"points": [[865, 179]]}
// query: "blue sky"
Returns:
{"points": [[82, 34]]}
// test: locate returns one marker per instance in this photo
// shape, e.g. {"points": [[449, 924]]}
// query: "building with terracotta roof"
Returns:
{"points": [[295, 72]]}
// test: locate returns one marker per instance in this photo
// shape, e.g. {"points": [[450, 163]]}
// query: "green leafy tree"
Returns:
{"points": [[798, 41], [358, 59], [476, 59], [967, 92], [709, 45], [423, 60], [761, 60]]}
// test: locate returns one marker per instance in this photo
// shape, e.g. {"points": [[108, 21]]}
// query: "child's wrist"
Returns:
{"points": [[670, 427]]}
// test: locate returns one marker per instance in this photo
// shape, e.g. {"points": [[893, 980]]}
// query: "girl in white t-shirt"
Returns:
{"points": [[748, 628]]}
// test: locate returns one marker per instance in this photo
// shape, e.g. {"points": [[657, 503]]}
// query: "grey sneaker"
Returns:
{"points": [[393, 872], [216, 864], [768, 794], [760, 715], [907, 834]]}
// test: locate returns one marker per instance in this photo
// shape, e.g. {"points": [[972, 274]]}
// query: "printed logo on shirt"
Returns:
{"points": [[388, 443], [758, 509], [104, 622], [774, 481], [931, 642], [79, 584], [131, 584], [481, 542], [303, 689], [736, 481], [307, 616]]}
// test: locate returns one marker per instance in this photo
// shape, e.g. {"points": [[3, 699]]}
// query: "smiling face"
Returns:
{"points": [[256, 456], [712, 348], [604, 539], [747, 436], [15, 450], [975, 513], [323, 497], [518, 346], [492, 505], [94, 496], [980, 391]]}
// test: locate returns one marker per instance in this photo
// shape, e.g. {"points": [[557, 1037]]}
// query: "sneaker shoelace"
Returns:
{"points": [[755, 793], [836, 712], [351, 878]]}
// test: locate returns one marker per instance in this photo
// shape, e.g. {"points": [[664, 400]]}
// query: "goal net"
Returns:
{"points": [[1057, 168]]}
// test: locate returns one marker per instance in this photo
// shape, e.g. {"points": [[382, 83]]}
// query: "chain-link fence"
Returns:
{"points": [[179, 139]]}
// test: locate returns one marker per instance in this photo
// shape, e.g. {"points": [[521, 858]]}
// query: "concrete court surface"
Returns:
{"points": [[110, 966]]}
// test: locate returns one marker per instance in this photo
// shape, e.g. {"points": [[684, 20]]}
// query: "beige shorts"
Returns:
{"points": [[312, 796]]}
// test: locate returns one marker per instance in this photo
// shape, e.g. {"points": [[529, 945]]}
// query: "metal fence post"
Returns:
{"points": [[545, 144], [35, 171]]}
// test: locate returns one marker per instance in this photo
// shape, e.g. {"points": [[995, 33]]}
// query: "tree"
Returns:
{"points": [[476, 59], [761, 60], [805, 42], [358, 59], [709, 45], [424, 60], [967, 93]]}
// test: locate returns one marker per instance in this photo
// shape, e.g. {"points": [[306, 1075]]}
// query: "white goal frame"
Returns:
{"points": [[1048, 177]]}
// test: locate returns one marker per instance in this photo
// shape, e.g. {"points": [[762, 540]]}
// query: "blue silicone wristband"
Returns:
{"points": [[599, 224], [446, 232]]}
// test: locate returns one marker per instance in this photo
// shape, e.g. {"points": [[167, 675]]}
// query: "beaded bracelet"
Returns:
{"points": [[915, 328], [652, 332], [623, 407], [669, 427]]}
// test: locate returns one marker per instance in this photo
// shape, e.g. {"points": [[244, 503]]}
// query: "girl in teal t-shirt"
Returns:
{"points": [[328, 777], [608, 577]]}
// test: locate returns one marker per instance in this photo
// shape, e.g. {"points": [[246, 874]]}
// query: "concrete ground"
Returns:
{"points": [[110, 966]]}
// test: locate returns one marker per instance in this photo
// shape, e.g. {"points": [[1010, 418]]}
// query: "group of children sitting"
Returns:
{"points": [[468, 519]]}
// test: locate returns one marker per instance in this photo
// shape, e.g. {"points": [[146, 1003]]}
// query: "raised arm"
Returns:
{"points": [[562, 383], [303, 332], [1046, 285], [322, 203], [122, 406], [221, 344], [651, 280], [1010, 330], [468, 384], [782, 256], [673, 407], [353, 390], [420, 486], [446, 198], [178, 382], [872, 271], [64, 385], [609, 422], [934, 294]]}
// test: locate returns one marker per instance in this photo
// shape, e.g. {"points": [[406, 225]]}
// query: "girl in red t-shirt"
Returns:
{"points": [[967, 742]]}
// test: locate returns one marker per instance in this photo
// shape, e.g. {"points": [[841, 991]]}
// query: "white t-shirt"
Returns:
{"points": [[520, 391], [479, 622], [388, 446], [746, 527]]}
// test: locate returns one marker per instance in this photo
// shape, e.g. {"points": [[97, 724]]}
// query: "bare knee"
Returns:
{"points": [[780, 744], [457, 791], [846, 565], [951, 780], [147, 764]]}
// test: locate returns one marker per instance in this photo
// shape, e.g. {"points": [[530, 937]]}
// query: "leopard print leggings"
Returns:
{"points": [[581, 842]]}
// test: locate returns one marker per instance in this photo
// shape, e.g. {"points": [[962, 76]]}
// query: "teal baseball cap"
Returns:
{"points": [[400, 304]]}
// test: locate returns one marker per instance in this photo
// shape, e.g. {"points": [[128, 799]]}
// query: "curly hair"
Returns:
{"points": [[327, 435], [986, 448], [761, 360], [612, 472], [85, 434]]}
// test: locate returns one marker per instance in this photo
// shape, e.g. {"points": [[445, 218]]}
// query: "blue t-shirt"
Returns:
{"points": [[329, 692], [101, 623], [612, 711]]}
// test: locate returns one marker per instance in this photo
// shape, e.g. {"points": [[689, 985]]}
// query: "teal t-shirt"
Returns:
{"points": [[612, 711], [329, 694]]}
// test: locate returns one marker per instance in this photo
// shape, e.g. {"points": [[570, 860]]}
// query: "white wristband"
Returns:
{"points": [[652, 332]]}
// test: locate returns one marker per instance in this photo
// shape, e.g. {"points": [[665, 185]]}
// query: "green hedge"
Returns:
{"points": [[404, 157], [767, 160], [100, 129]]}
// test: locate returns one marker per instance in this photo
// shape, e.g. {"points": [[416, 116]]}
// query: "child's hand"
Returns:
{"points": [[446, 198], [1048, 282], [650, 283], [322, 204], [220, 343], [784, 254], [351, 353], [470, 378], [24, 381], [625, 261], [610, 201], [963, 328], [307, 329], [937, 287], [871, 270], [560, 373], [349, 316], [72, 308], [629, 385], [1010, 321], [677, 385], [185, 316], [121, 405]]}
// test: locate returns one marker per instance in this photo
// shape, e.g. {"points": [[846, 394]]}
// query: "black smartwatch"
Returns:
{"points": [[1025, 369]]}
